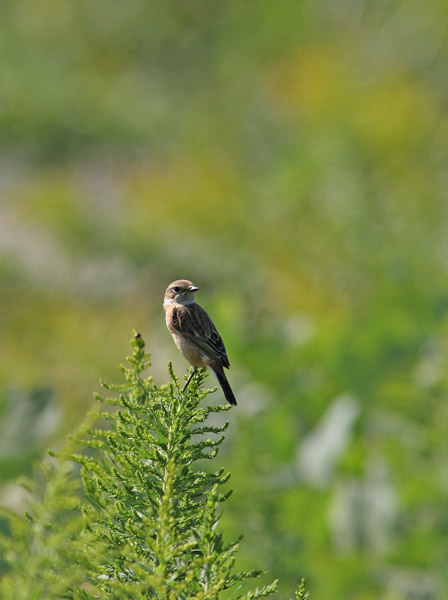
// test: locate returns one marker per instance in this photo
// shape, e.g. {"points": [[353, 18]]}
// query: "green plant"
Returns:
{"points": [[154, 514], [150, 511]]}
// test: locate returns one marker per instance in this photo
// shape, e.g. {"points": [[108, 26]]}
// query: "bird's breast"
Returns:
{"points": [[187, 348], [190, 351]]}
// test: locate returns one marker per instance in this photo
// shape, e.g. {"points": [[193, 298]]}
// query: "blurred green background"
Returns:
{"points": [[291, 159]]}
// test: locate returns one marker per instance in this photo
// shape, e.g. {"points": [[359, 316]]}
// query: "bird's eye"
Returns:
{"points": [[175, 289]]}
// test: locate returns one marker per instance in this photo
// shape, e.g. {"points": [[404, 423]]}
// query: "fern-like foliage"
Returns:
{"points": [[301, 592], [141, 522], [152, 528]]}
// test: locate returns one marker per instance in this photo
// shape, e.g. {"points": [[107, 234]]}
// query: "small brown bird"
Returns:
{"points": [[194, 333]]}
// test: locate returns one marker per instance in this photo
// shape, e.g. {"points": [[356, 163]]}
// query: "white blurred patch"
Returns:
{"points": [[47, 264], [299, 329], [429, 369], [252, 398], [363, 511], [13, 496], [411, 583], [318, 454]]}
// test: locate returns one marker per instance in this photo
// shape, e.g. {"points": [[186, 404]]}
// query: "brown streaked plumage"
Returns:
{"points": [[195, 334]]}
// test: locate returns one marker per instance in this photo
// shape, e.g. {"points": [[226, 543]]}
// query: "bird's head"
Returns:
{"points": [[180, 291]]}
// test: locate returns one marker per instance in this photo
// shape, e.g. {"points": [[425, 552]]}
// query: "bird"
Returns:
{"points": [[194, 333]]}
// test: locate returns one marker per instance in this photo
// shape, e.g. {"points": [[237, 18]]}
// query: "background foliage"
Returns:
{"points": [[289, 158]]}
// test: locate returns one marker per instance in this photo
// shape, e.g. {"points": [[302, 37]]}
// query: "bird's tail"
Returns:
{"points": [[225, 385]]}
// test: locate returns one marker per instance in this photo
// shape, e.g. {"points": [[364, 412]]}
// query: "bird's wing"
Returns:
{"points": [[193, 323]]}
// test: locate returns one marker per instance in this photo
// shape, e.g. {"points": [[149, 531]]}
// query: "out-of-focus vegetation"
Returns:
{"points": [[291, 159]]}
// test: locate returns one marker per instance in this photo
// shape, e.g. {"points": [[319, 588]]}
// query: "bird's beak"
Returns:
{"points": [[193, 288]]}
